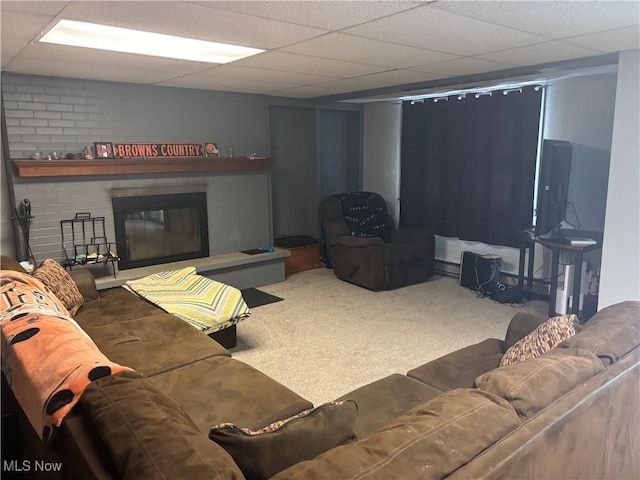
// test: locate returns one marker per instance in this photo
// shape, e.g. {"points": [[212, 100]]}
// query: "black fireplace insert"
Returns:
{"points": [[156, 229]]}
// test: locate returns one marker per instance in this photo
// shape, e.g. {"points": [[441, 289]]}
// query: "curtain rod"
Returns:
{"points": [[476, 91]]}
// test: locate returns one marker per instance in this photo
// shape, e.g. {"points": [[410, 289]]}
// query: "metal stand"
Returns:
{"points": [[22, 215], [85, 237]]}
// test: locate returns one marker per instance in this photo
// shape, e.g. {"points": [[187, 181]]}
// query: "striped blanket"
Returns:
{"points": [[204, 303]]}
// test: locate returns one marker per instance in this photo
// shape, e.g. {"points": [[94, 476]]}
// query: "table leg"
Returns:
{"points": [[532, 251], [523, 251], [555, 259], [577, 278]]}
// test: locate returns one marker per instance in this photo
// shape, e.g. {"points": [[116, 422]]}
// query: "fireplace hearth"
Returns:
{"points": [[156, 229]]}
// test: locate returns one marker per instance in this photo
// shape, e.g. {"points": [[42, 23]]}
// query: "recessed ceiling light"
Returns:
{"points": [[116, 39]]}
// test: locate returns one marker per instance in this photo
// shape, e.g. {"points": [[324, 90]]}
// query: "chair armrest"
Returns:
{"points": [[86, 283], [411, 235], [359, 242]]}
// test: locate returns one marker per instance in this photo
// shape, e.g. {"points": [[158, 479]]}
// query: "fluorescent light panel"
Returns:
{"points": [[116, 39]]}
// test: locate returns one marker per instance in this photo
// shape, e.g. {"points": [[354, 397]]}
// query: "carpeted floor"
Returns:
{"points": [[329, 337]]}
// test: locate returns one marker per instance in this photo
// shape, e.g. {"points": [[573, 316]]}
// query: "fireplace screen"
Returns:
{"points": [[156, 229]]}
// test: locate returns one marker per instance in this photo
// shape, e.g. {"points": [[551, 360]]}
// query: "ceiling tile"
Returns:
{"points": [[193, 21], [350, 48], [308, 91], [320, 89], [33, 7], [434, 29], [559, 19], [329, 15], [233, 71], [70, 69], [225, 84], [290, 62], [17, 29], [367, 82], [548, 52], [610, 41], [462, 66], [324, 47], [395, 77]]}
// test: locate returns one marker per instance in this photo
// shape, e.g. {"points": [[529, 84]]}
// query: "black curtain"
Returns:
{"points": [[468, 166]]}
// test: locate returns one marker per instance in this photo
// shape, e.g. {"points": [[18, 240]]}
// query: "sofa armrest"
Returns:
{"points": [[521, 325], [9, 263], [354, 241], [86, 283]]}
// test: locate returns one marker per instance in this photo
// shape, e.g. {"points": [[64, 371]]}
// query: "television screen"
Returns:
{"points": [[553, 185]]}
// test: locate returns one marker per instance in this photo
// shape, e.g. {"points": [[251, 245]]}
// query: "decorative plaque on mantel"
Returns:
{"points": [[157, 150]]}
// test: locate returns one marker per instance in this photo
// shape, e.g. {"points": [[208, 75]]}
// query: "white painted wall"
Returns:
{"points": [[580, 110], [620, 277], [381, 152]]}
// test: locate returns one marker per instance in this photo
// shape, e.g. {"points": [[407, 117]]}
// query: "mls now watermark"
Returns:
{"points": [[31, 466]]}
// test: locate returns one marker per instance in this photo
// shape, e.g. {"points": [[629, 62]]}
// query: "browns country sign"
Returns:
{"points": [[142, 150]]}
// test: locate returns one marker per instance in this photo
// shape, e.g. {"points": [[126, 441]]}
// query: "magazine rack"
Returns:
{"points": [[84, 242]]}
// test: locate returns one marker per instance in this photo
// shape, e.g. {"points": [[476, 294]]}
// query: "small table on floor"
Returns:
{"points": [[305, 253]]}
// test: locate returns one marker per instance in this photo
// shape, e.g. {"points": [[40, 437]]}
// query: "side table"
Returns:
{"points": [[528, 242]]}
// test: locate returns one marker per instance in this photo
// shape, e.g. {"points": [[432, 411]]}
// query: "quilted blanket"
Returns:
{"points": [[204, 303], [47, 359]]}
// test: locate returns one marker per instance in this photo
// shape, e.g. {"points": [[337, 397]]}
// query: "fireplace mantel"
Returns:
{"points": [[72, 168]]}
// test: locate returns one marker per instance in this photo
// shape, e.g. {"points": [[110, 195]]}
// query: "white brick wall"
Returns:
{"points": [[62, 115], [49, 114]]}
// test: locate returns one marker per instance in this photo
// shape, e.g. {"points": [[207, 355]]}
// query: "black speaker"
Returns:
{"points": [[480, 273]]}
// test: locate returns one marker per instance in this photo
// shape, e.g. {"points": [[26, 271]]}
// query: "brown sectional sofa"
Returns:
{"points": [[571, 413]]}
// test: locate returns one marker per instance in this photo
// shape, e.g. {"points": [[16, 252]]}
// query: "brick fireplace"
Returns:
{"points": [[238, 205]]}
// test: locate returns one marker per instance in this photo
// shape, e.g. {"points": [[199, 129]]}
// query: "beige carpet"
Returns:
{"points": [[329, 337]]}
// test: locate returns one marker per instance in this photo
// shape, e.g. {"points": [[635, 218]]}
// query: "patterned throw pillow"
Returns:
{"points": [[61, 284], [541, 340], [260, 454]]}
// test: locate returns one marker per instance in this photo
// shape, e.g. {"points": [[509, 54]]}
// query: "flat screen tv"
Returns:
{"points": [[553, 185]]}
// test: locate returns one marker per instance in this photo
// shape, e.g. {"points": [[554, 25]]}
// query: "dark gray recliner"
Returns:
{"points": [[362, 245]]}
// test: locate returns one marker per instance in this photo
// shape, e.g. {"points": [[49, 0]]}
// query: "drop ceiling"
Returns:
{"points": [[329, 49]]}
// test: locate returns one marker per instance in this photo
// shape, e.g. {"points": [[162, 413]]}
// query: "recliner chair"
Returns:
{"points": [[362, 245]]}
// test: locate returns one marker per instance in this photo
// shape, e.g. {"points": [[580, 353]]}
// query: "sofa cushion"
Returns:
{"points": [[114, 305], [148, 435], [541, 340], [460, 368], [61, 284], [260, 454], [138, 342], [86, 283], [611, 333], [229, 391], [384, 400], [428, 442], [534, 384], [521, 325]]}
